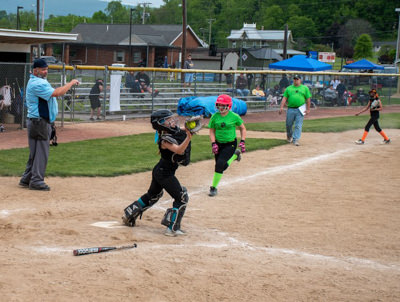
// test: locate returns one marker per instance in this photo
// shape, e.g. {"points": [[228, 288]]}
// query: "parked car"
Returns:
{"points": [[50, 60]]}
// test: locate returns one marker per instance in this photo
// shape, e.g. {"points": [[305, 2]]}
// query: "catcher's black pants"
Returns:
{"points": [[163, 177], [225, 152], [373, 121]]}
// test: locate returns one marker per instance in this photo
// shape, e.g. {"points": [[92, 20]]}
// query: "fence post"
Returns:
{"points": [[152, 90], [105, 90], [62, 97]]}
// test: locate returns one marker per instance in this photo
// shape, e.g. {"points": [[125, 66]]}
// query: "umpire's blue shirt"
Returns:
{"points": [[40, 88]]}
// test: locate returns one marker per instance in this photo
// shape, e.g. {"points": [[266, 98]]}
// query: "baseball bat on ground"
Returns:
{"points": [[101, 249]]}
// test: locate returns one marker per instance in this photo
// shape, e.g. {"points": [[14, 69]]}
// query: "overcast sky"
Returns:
{"points": [[64, 7]]}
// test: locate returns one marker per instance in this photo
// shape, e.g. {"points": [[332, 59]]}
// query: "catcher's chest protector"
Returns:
{"points": [[177, 139]]}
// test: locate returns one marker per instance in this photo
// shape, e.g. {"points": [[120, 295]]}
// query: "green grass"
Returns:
{"points": [[111, 156], [336, 124]]}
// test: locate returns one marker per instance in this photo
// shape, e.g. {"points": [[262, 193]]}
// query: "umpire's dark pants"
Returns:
{"points": [[38, 156]]}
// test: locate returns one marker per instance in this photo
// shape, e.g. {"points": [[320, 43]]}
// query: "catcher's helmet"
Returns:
{"points": [[158, 119], [373, 92], [224, 103]]}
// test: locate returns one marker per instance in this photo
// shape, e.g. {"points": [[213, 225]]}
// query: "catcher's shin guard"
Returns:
{"points": [[173, 216], [132, 212], [136, 209]]}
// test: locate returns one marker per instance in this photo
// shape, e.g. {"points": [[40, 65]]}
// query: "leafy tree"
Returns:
{"points": [[272, 17], [118, 13], [363, 48], [303, 29]]}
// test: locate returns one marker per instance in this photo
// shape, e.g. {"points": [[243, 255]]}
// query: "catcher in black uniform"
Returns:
{"points": [[174, 144]]}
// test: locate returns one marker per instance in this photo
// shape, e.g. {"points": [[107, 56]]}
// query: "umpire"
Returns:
{"points": [[42, 112]]}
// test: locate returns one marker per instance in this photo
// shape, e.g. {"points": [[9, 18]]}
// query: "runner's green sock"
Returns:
{"points": [[216, 179], [234, 156]]}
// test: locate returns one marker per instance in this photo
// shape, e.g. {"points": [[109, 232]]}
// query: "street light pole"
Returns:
{"points": [[130, 37], [18, 20]]}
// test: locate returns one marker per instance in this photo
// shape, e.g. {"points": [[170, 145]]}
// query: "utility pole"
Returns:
{"points": [[285, 42], [209, 32], [130, 37], [183, 35], [42, 26], [18, 19], [396, 59], [144, 10]]}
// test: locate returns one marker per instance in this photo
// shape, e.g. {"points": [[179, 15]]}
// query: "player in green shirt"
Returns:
{"points": [[222, 126], [298, 99]]}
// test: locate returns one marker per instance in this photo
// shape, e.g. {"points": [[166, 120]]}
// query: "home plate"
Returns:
{"points": [[108, 224]]}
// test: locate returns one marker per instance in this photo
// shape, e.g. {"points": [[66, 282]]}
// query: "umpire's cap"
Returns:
{"points": [[39, 63]]}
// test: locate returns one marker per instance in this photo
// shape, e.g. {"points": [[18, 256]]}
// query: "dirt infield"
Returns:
{"points": [[319, 222]]}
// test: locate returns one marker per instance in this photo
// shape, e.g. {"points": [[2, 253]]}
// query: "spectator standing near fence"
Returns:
{"points": [[94, 97], [374, 105], [188, 76], [249, 77], [42, 111], [229, 79], [283, 83], [222, 133], [298, 98], [241, 86]]}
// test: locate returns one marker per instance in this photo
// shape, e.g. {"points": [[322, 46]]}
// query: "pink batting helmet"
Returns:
{"points": [[224, 100]]}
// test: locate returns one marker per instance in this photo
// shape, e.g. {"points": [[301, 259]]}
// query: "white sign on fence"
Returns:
{"points": [[327, 57]]}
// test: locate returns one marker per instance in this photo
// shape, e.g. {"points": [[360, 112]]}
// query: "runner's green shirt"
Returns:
{"points": [[225, 126], [296, 96]]}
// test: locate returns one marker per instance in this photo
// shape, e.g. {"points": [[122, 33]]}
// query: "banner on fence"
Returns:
{"points": [[115, 87]]}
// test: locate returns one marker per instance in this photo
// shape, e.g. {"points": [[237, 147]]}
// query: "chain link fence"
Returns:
{"points": [[261, 90]]}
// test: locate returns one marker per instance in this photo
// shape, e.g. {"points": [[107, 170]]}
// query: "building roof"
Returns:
{"points": [[264, 54], [250, 32], [118, 34], [12, 36]]}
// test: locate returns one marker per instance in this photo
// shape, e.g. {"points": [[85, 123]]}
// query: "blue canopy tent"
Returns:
{"points": [[363, 64], [300, 63]]}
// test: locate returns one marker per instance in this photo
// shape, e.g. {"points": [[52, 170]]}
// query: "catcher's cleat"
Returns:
{"points": [[238, 154], [170, 233], [213, 191], [386, 141], [359, 142]]}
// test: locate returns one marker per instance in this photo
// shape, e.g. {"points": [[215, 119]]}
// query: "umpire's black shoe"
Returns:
{"points": [[41, 187], [213, 191], [23, 184]]}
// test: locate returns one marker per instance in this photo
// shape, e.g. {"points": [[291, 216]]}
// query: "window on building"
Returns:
{"points": [[280, 45], [244, 44], [234, 44], [119, 56], [137, 57]]}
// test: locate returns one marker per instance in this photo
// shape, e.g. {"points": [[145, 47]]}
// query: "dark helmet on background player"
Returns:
{"points": [[223, 103], [159, 121], [373, 93]]}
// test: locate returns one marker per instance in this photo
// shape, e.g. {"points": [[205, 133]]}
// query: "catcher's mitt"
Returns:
{"points": [[374, 104], [194, 124]]}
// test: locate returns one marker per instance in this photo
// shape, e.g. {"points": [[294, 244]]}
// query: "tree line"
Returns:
{"points": [[321, 25]]}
